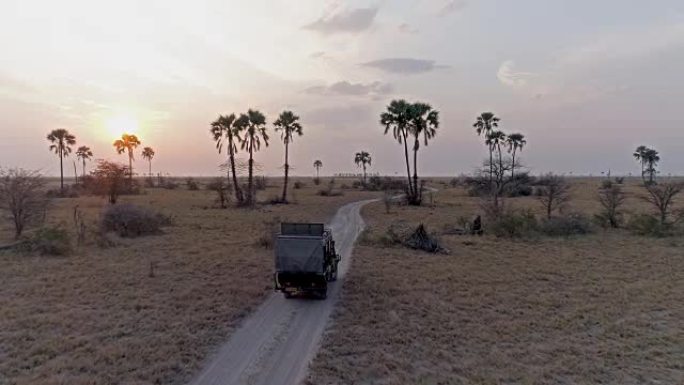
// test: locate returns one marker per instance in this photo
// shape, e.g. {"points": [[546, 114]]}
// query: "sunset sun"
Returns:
{"points": [[122, 124]]}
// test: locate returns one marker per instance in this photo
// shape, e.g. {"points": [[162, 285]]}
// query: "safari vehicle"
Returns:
{"points": [[305, 259]]}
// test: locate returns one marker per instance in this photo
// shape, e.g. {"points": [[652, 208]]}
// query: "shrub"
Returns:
{"points": [[260, 183], [50, 241], [611, 199], [298, 185], [330, 191], [317, 181], [269, 232], [222, 190], [21, 196], [128, 220], [514, 224], [192, 184], [70, 191], [619, 179], [573, 224], [109, 179], [650, 225], [170, 184]]}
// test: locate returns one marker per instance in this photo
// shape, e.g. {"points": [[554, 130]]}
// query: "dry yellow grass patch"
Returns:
{"points": [[605, 308], [97, 317]]}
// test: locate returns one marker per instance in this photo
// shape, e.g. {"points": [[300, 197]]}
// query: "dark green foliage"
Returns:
{"points": [[568, 225], [650, 225], [192, 184], [298, 185], [128, 220], [514, 224], [49, 241]]}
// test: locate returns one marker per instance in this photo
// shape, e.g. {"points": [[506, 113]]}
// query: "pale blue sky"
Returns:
{"points": [[586, 81]]}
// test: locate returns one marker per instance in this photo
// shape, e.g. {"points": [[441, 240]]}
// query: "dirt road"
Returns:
{"points": [[276, 343]]}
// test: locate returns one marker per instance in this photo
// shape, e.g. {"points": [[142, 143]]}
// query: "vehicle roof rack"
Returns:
{"points": [[310, 229]]}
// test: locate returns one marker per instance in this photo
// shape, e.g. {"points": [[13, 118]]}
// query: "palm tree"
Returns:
{"points": [[484, 125], [127, 143], [362, 159], [288, 124], [494, 139], [317, 165], [148, 153], [423, 121], [61, 141], [397, 118], [640, 155], [515, 142], [84, 153], [652, 159], [254, 124], [225, 128]]}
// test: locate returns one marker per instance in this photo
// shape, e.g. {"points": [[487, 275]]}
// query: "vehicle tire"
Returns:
{"points": [[323, 294]]}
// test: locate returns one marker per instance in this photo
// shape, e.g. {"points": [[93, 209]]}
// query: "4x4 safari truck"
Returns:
{"points": [[305, 259]]}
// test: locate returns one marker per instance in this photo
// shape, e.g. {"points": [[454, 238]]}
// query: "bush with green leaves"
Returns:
{"points": [[651, 226], [49, 241], [514, 224], [567, 225], [129, 220]]}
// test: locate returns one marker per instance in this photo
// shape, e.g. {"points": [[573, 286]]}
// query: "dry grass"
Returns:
{"points": [[97, 317], [606, 308]]}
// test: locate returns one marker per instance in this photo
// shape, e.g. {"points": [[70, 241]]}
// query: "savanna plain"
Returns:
{"points": [[602, 307]]}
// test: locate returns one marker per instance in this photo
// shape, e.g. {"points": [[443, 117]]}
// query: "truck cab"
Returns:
{"points": [[305, 260]]}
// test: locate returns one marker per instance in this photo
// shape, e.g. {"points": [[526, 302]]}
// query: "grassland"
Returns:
{"points": [[604, 308], [97, 317]]}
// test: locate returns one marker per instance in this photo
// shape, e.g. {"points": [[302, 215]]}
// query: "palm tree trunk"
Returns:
{"points": [[83, 167], [491, 165], [501, 170], [408, 167], [287, 168], [150, 164], [236, 187], [316, 172], [130, 168], [513, 165], [61, 171], [250, 197], [364, 173], [415, 172]]}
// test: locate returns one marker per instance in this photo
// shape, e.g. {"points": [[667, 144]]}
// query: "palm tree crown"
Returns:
{"points": [[288, 124], [515, 142], [84, 153], [486, 122], [61, 141], [148, 153], [127, 143]]}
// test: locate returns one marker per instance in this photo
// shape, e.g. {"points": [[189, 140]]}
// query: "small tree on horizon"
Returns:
{"points": [[148, 154], [127, 143], [362, 159], [287, 124], [317, 165], [22, 196], [61, 141], [554, 193], [84, 153]]}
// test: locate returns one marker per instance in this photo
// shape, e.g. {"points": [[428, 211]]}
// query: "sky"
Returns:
{"points": [[585, 81]]}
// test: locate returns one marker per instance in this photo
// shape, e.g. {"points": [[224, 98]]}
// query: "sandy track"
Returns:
{"points": [[276, 343]]}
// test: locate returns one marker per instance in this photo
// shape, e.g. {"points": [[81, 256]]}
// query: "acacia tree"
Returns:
{"points": [[22, 196], [127, 143], [61, 141], [424, 122], [227, 132], [287, 124], [109, 179], [84, 153], [484, 124], [515, 142], [317, 165], [397, 118], [554, 193], [148, 153], [362, 159], [254, 125], [662, 198]]}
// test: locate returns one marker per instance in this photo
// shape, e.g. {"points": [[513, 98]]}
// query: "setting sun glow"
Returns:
{"points": [[122, 124]]}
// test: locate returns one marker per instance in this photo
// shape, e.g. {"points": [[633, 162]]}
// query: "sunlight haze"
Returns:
{"points": [[585, 81]]}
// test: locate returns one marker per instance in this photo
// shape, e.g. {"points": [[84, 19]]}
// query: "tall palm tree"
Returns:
{"points": [[397, 119], [515, 142], [127, 143], [225, 131], [287, 123], [254, 125], [61, 141], [652, 159], [148, 153], [317, 165], [484, 124], [424, 122], [640, 155], [494, 140], [362, 159], [84, 153]]}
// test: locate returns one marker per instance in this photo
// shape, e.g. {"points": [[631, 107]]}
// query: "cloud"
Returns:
{"points": [[508, 76], [453, 6], [352, 21], [403, 65], [406, 28], [353, 89]]}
